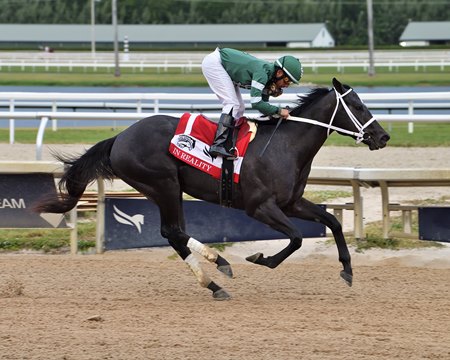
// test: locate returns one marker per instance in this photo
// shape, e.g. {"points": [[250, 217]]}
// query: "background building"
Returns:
{"points": [[426, 33], [160, 36]]}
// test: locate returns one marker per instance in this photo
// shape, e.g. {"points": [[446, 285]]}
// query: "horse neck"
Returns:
{"points": [[313, 136]]}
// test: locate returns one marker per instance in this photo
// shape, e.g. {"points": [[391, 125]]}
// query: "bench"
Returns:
{"points": [[338, 210], [406, 215], [88, 201]]}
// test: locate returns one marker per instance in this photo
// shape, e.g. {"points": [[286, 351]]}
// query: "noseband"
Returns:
{"points": [[340, 100]]}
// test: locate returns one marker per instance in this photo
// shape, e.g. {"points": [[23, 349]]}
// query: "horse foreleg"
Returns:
{"points": [[307, 210], [269, 213]]}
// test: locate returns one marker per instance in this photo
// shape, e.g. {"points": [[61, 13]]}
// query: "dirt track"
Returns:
{"points": [[141, 305]]}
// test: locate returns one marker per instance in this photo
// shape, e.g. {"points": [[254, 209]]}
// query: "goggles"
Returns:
{"points": [[286, 79]]}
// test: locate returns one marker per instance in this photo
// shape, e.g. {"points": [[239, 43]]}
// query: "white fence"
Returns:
{"points": [[190, 66], [190, 61], [203, 102], [135, 102]]}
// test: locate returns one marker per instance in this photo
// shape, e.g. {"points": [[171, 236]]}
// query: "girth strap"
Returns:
{"points": [[226, 182]]}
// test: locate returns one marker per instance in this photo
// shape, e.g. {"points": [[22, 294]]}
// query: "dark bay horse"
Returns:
{"points": [[270, 189]]}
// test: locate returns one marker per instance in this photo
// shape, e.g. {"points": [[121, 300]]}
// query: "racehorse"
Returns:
{"points": [[271, 183]]}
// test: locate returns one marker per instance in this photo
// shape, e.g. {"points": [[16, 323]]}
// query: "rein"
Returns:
{"points": [[339, 99]]}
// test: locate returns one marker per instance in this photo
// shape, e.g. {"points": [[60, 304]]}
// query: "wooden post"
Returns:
{"points": [[385, 208], [358, 210], [100, 230]]}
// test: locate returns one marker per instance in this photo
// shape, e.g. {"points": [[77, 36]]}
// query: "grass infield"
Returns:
{"points": [[39, 76]]}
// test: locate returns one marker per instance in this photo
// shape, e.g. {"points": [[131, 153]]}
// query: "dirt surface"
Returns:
{"points": [[360, 156], [144, 305]]}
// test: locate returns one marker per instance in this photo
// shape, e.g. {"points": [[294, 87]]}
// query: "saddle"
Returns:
{"points": [[194, 136]]}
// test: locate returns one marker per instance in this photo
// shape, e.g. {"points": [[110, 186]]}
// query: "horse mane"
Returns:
{"points": [[306, 100]]}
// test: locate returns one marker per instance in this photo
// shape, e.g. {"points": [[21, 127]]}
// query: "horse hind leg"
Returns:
{"points": [[208, 253], [211, 255], [182, 243], [172, 226]]}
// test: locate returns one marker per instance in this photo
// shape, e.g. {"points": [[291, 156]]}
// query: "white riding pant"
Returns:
{"points": [[220, 82]]}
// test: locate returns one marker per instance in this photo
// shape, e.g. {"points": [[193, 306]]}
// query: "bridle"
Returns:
{"points": [[339, 100]]}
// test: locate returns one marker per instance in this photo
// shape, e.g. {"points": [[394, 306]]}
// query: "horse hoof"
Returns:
{"points": [[254, 258], [220, 295], [347, 278], [226, 269]]}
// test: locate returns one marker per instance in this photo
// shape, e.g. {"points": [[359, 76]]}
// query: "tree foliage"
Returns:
{"points": [[345, 19]]}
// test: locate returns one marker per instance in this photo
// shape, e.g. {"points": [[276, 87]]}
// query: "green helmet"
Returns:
{"points": [[291, 66]]}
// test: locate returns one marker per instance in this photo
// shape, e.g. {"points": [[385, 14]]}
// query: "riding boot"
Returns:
{"points": [[221, 139]]}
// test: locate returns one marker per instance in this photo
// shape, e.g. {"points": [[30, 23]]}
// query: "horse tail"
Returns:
{"points": [[81, 171]]}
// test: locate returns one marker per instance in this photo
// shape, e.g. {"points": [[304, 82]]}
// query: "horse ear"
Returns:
{"points": [[338, 86]]}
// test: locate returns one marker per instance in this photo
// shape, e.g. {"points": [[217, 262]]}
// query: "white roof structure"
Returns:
{"points": [[291, 35], [426, 33]]}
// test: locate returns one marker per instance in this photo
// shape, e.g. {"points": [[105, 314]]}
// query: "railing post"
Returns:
{"points": [[73, 231], [40, 137], [100, 229], [358, 210], [385, 208], [139, 106], [407, 220], [410, 112], [54, 121], [11, 123]]}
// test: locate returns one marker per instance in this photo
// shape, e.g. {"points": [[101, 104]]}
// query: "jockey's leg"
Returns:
{"points": [[229, 95], [238, 112], [223, 134]]}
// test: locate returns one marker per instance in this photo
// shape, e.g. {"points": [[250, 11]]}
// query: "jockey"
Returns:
{"points": [[226, 70]]}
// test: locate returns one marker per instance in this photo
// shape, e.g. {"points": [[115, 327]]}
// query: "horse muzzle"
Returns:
{"points": [[376, 142]]}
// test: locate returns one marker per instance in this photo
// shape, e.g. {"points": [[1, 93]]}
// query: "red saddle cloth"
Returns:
{"points": [[193, 137]]}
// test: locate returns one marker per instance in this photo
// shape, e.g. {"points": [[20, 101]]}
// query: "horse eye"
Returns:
{"points": [[358, 107]]}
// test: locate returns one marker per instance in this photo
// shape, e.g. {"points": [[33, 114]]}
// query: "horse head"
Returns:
{"points": [[353, 115]]}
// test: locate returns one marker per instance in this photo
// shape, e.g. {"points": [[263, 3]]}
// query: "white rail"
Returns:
{"points": [[137, 101], [189, 66], [45, 116], [134, 103]]}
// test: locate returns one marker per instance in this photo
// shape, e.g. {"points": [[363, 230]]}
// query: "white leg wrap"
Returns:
{"points": [[194, 265], [205, 251]]}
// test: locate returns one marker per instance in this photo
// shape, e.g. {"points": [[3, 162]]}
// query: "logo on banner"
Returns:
{"points": [[132, 220], [185, 142]]}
